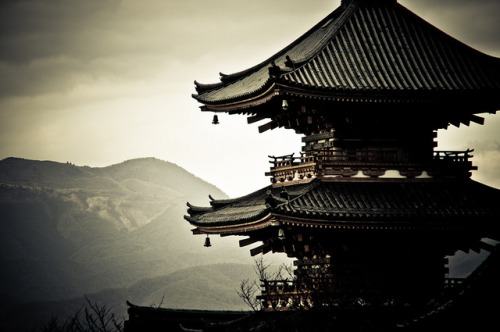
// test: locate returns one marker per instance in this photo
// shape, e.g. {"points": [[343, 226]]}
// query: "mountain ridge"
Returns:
{"points": [[15, 170], [68, 230]]}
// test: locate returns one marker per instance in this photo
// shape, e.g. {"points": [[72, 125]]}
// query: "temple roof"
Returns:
{"points": [[364, 51], [354, 205]]}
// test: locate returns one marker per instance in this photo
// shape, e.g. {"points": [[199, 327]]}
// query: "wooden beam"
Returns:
{"points": [[258, 250], [456, 123], [317, 137], [255, 118], [270, 125], [486, 246], [248, 241], [477, 119], [264, 249]]}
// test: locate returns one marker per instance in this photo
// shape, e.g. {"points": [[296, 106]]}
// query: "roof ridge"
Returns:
{"points": [[316, 72], [336, 26], [229, 78], [303, 191], [333, 25], [283, 52]]}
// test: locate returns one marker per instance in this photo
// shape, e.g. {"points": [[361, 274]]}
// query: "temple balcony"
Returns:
{"points": [[279, 295], [367, 163]]}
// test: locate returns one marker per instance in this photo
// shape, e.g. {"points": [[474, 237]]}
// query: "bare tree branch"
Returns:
{"points": [[160, 304], [261, 268], [247, 293], [94, 318]]}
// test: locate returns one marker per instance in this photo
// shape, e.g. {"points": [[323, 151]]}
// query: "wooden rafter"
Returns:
{"points": [[268, 126], [248, 241], [264, 249], [255, 118], [477, 119]]}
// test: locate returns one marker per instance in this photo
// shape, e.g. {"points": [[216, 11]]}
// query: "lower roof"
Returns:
{"points": [[420, 203]]}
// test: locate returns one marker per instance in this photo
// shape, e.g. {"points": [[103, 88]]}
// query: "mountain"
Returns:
{"points": [[69, 230]]}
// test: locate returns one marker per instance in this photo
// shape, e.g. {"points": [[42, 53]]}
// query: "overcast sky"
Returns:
{"points": [[101, 81]]}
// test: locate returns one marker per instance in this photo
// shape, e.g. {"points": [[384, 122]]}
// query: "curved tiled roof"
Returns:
{"points": [[388, 48], [377, 48], [381, 201], [249, 208], [258, 78], [426, 204]]}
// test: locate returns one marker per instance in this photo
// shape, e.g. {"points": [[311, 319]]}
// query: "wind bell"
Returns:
{"points": [[207, 242], [215, 121]]}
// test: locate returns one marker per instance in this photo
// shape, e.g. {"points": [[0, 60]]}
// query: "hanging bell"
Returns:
{"points": [[207, 242], [215, 121], [281, 234]]}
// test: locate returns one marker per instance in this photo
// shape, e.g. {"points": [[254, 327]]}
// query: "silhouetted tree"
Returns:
{"points": [[249, 289], [91, 317]]}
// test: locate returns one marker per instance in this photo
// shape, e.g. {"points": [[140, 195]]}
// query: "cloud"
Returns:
{"points": [[100, 81], [48, 46], [474, 22], [33, 30], [52, 45]]}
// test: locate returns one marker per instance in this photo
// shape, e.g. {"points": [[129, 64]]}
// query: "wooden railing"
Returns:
{"points": [[374, 156], [453, 156], [280, 294], [278, 286], [442, 162], [287, 285]]}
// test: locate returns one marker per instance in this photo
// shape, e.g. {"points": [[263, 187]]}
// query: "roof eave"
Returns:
{"points": [[235, 228], [240, 103]]}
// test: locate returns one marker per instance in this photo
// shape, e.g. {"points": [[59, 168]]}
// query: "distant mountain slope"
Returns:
{"points": [[67, 230], [128, 195]]}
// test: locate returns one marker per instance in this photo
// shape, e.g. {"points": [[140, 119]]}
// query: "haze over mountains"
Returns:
{"points": [[67, 230]]}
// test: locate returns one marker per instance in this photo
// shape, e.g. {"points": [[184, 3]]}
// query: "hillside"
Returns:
{"points": [[67, 230]]}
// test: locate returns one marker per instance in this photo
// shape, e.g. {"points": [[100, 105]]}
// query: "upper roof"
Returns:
{"points": [[355, 205], [367, 50]]}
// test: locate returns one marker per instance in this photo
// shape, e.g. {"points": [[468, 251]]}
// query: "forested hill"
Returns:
{"points": [[69, 230]]}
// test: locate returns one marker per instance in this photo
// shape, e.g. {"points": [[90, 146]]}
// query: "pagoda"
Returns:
{"points": [[369, 209]]}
